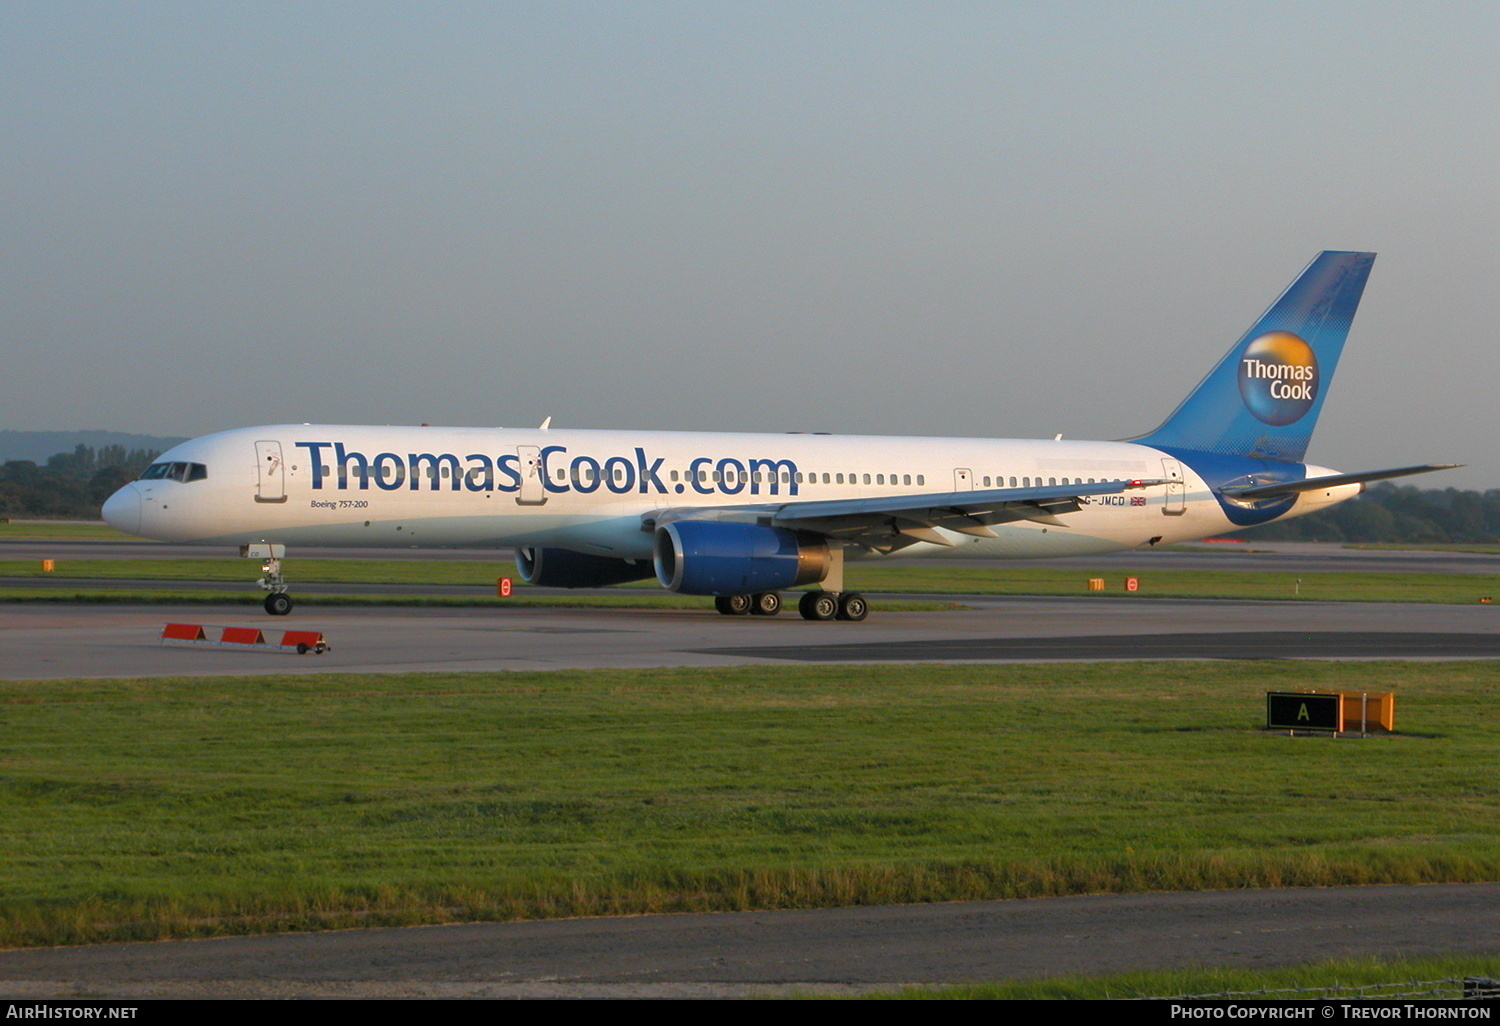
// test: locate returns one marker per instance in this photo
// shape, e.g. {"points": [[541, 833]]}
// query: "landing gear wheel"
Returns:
{"points": [[852, 606], [818, 605], [732, 605], [765, 603], [278, 604]]}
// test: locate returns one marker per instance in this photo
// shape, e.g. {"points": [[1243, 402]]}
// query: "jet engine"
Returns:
{"points": [[562, 568], [711, 557]]}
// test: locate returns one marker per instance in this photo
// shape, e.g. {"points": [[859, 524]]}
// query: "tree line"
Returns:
{"points": [[71, 485], [1397, 513]]}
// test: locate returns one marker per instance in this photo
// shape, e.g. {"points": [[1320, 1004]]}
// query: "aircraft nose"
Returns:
{"points": [[122, 510]]}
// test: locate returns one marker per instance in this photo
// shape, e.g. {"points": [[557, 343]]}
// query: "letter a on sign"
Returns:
{"points": [[1302, 712]]}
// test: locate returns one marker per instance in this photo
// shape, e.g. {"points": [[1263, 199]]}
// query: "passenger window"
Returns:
{"points": [[867, 479], [921, 480], [880, 479], [906, 479]]}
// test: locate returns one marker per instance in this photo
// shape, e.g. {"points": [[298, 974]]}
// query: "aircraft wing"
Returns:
{"points": [[1312, 484], [890, 522]]}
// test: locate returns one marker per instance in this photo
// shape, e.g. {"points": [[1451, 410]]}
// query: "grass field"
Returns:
{"points": [[61, 530], [187, 807]]}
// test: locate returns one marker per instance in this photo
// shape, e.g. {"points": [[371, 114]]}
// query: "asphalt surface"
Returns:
{"points": [[46, 640], [827, 951]]}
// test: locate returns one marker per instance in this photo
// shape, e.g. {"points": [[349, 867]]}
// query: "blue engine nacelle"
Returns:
{"points": [[561, 568], [714, 557]]}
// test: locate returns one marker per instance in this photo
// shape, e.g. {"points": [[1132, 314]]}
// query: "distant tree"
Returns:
{"points": [[1396, 513], [72, 485], [77, 464], [107, 481]]}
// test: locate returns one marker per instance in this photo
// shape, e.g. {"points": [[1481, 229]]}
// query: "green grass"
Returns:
{"points": [[934, 578], [1353, 979], [61, 530], [245, 571], [1428, 547], [604, 599], [137, 809]]}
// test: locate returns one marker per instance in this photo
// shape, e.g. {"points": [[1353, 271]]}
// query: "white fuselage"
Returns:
{"points": [[591, 491]]}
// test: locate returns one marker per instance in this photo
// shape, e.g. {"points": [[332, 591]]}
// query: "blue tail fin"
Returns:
{"points": [[1264, 396]]}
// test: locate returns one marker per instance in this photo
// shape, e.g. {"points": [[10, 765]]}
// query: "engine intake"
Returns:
{"points": [[711, 557]]}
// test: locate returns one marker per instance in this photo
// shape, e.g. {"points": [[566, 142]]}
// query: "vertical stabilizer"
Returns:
{"points": [[1264, 396]]}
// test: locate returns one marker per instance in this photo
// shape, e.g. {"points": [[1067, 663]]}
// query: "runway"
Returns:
{"points": [[49, 641], [817, 951]]}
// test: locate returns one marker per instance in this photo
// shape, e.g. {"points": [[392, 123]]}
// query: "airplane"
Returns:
{"points": [[742, 517]]}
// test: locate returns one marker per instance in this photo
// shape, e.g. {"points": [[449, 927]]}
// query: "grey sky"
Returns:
{"points": [[1006, 219]]}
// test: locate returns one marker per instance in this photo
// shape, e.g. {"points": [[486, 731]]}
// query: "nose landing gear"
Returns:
{"points": [[278, 602]]}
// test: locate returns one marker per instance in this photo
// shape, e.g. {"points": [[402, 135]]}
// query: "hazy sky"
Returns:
{"points": [[1000, 219]]}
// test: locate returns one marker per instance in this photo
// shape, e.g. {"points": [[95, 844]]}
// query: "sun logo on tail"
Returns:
{"points": [[1278, 378]]}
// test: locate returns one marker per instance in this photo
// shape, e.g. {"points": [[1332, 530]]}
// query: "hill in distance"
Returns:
{"points": [[37, 446]]}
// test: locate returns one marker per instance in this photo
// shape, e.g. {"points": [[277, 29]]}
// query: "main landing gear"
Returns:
{"points": [[834, 603], [814, 605]]}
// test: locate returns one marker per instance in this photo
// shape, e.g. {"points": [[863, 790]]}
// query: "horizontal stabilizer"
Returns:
{"points": [[1312, 484]]}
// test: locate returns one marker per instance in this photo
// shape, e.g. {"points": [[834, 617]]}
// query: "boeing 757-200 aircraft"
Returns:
{"points": [[742, 516]]}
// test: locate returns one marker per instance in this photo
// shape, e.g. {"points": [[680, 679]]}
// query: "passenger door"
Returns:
{"points": [[270, 472], [533, 488], [1176, 500]]}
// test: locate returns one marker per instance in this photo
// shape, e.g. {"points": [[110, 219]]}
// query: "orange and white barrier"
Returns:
{"points": [[300, 642]]}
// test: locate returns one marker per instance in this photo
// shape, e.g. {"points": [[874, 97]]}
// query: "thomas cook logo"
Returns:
{"points": [[1278, 377]]}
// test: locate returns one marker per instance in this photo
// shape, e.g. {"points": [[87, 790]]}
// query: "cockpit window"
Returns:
{"points": [[175, 472]]}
